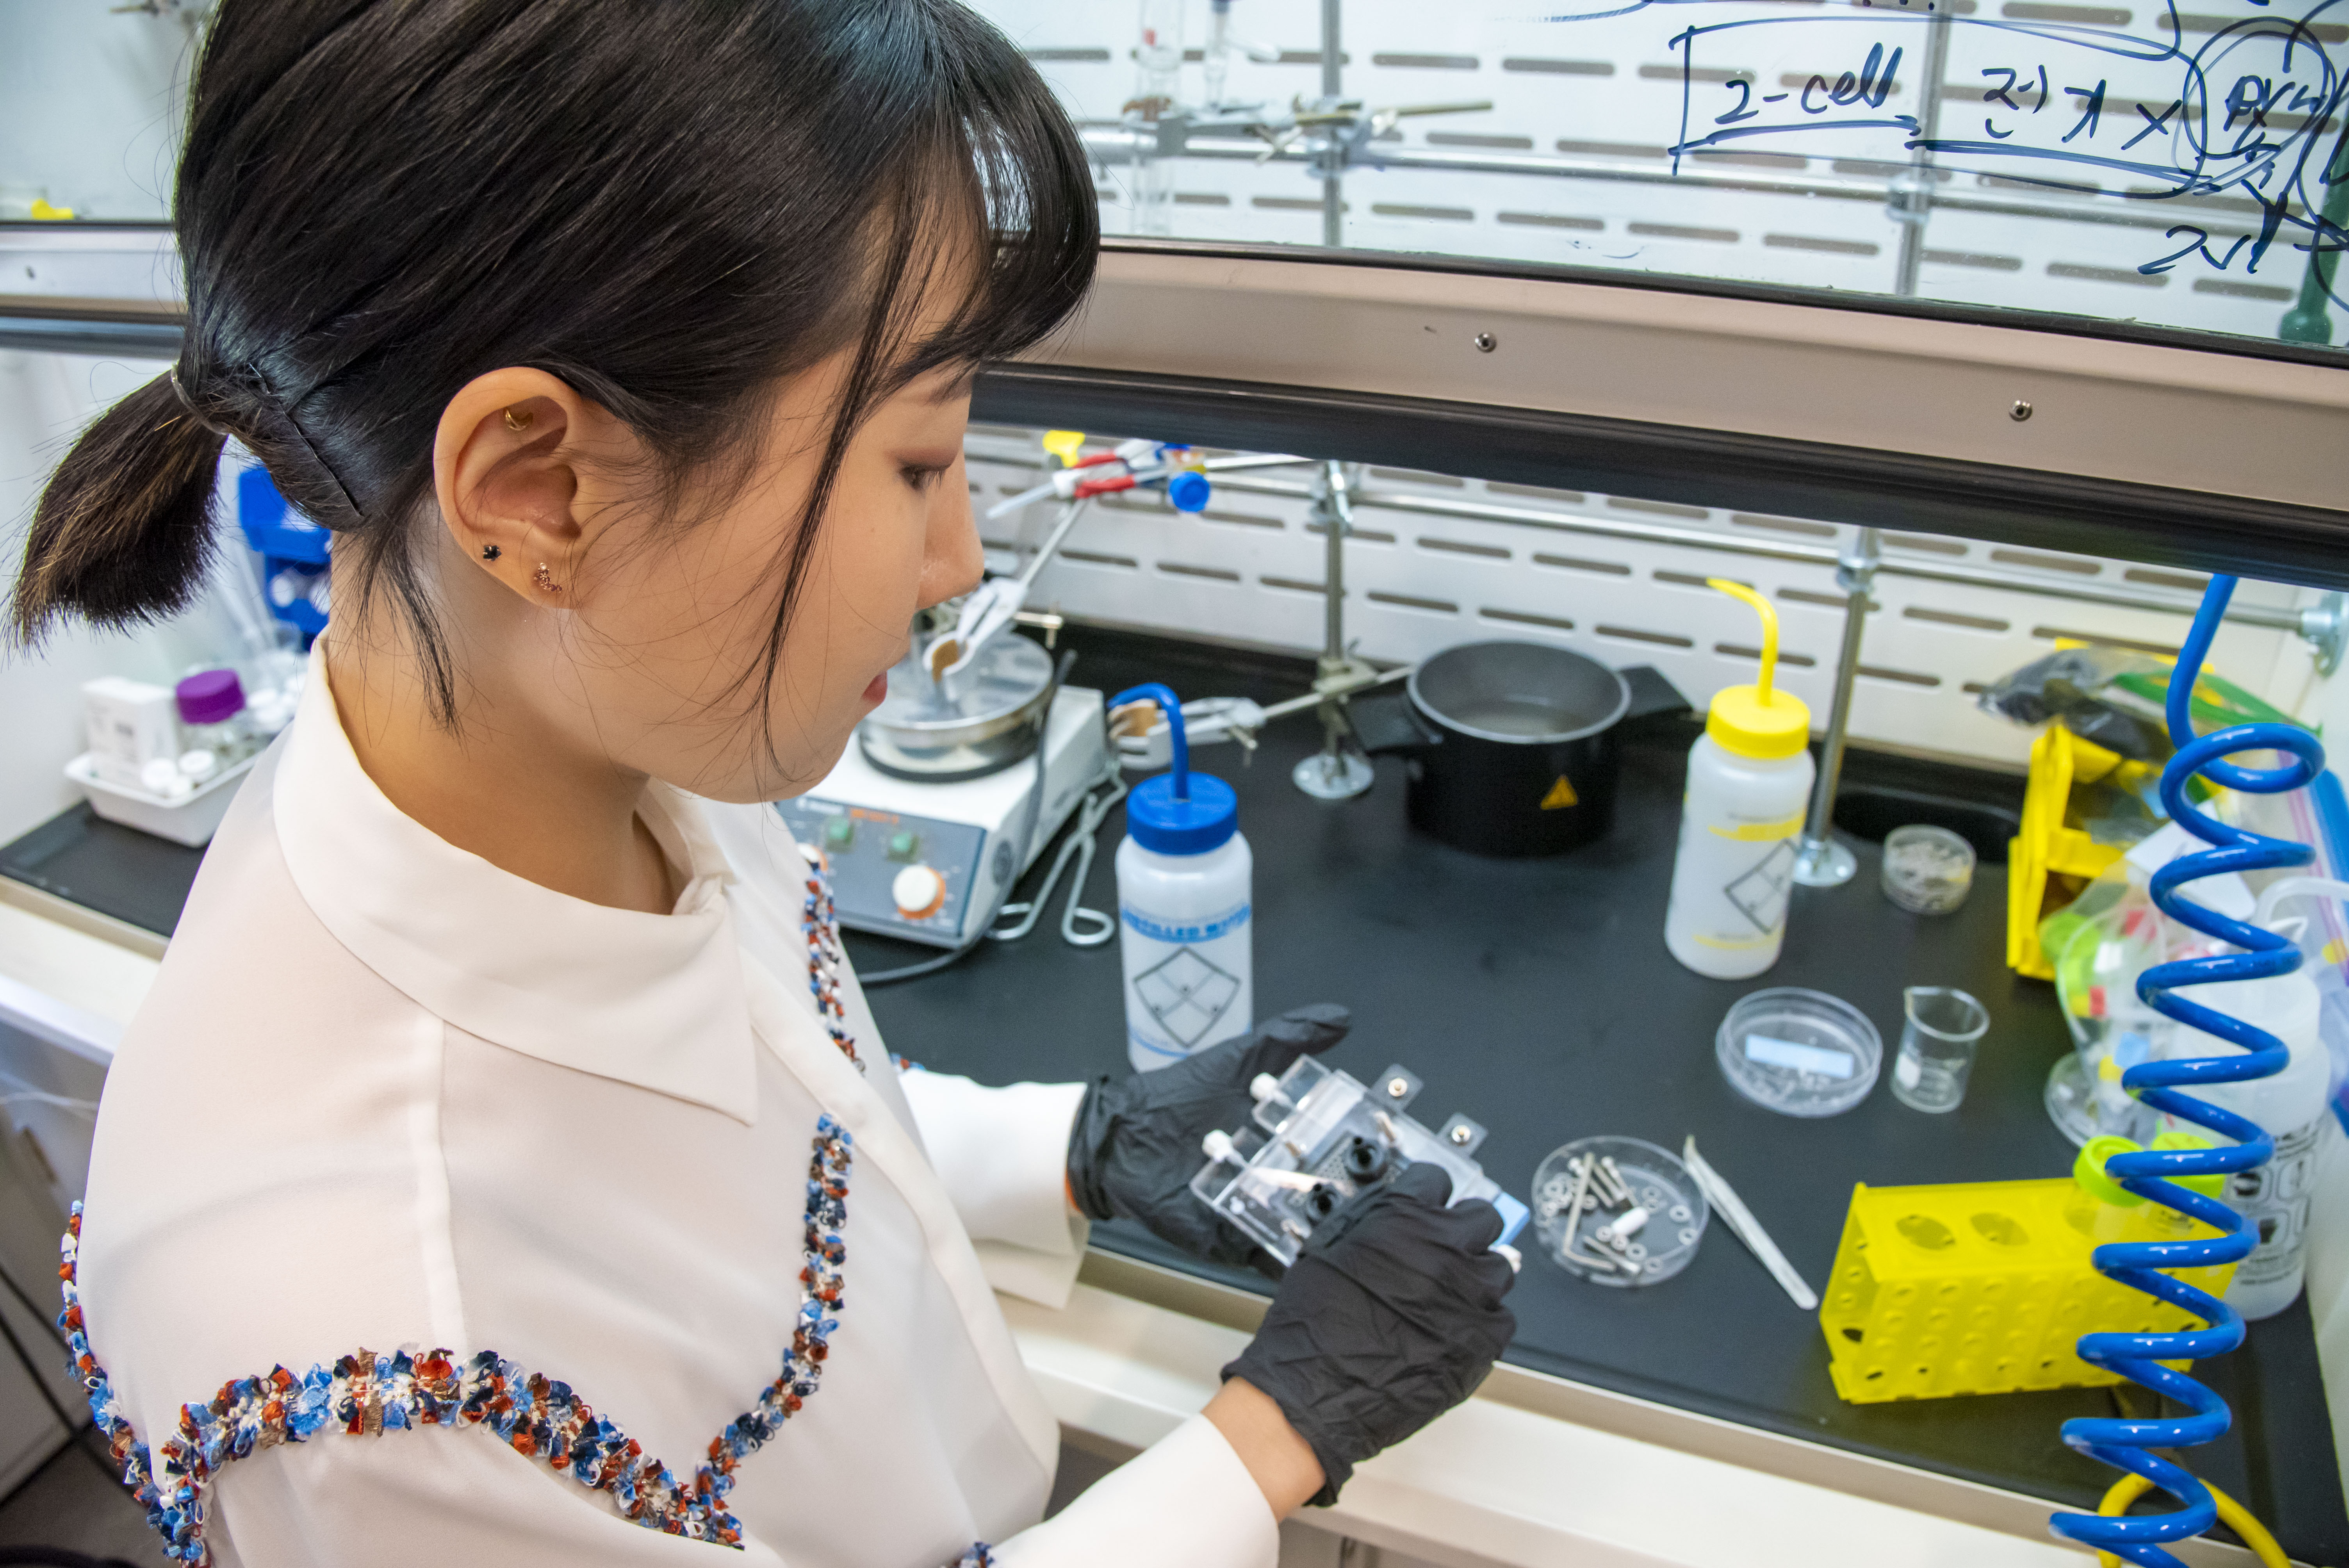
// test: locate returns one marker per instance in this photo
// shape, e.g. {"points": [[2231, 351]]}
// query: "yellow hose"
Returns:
{"points": [[2231, 1514]]}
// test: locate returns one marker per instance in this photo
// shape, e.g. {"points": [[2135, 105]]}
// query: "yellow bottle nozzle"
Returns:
{"points": [[1769, 631], [1064, 445], [1757, 720]]}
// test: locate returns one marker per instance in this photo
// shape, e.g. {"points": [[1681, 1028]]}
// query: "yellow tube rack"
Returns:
{"points": [[1984, 1287]]}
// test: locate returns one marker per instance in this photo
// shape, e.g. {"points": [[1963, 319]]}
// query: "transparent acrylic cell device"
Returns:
{"points": [[1320, 1137]]}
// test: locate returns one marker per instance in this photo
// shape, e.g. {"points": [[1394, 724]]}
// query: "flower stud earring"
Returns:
{"points": [[490, 552], [519, 419], [544, 580]]}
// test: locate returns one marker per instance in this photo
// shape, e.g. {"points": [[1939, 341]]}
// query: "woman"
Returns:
{"points": [[505, 1114]]}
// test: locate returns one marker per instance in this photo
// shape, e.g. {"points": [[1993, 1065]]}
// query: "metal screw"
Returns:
{"points": [[1486, 342], [2020, 412], [1461, 1135], [1398, 1087]]}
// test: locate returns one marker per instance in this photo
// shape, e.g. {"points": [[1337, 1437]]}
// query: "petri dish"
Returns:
{"points": [[1927, 869], [1799, 1052], [1674, 1213]]}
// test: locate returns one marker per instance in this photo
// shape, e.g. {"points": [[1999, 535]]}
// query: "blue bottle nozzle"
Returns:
{"points": [[1163, 695]]}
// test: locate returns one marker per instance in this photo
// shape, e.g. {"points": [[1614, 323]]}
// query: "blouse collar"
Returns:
{"points": [[651, 1000]]}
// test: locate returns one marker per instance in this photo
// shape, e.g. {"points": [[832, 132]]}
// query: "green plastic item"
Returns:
{"points": [[2238, 706], [2088, 1167]]}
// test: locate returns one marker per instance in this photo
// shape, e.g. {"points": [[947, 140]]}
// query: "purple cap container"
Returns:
{"points": [[209, 696]]}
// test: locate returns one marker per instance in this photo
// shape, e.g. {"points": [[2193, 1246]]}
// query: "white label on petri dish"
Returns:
{"points": [[1801, 1058]]}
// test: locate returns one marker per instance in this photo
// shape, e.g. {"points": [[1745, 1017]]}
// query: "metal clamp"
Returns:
{"points": [[2325, 627]]}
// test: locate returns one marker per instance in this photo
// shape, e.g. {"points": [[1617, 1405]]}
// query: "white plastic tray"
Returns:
{"points": [[190, 819]]}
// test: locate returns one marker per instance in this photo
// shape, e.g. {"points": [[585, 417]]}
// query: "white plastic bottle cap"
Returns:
{"points": [[1263, 1087], [198, 765], [1217, 1145], [161, 776]]}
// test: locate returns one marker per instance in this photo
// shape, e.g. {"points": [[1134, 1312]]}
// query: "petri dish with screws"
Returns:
{"points": [[1927, 870], [1618, 1212]]}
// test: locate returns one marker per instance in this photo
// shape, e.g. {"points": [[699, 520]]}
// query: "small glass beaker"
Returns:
{"points": [[1937, 1047], [1927, 870]]}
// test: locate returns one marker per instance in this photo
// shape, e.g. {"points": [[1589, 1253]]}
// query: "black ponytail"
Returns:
{"points": [[669, 204], [124, 531]]}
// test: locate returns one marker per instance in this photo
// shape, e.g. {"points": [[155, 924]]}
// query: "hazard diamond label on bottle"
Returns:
{"points": [[1760, 894], [1186, 993], [1561, 795]]}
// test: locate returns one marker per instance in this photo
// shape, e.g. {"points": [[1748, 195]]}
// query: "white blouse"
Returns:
{"points": [[438, 1217]]}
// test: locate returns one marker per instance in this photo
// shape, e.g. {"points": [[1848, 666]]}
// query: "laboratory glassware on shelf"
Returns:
{"points": [[1185, 911], [1748, 777], [1329, 131], [1321, 1137]]}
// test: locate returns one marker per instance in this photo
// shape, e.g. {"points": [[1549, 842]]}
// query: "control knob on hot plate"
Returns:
{"points": [[919, 891]]}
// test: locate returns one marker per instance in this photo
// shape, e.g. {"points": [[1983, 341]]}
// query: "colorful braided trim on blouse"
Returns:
{"points": [[369, 1392], [820, 921]]}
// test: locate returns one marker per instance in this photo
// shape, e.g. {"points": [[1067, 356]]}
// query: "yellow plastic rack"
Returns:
{"points": [[1982, 1287]]}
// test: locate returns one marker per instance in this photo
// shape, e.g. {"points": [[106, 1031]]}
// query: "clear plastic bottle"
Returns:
{"points": [[1185, 929], [1749, 782], [2290, 1106]]}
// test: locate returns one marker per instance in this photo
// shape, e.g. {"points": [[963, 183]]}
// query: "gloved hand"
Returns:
{"points": [[1135, 1144], [1390, 1315]]}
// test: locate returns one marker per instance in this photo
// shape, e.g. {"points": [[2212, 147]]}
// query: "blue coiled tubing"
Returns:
{"points": [[2160, 1084]]}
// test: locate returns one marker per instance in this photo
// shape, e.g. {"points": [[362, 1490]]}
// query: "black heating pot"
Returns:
{"points": [[1509, 748]]}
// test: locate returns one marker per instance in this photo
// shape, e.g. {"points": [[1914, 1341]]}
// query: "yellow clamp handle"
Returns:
{"points": [[1064, 445]]}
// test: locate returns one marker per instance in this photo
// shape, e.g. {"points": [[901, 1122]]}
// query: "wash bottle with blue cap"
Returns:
{"points": [[1183, 880]]}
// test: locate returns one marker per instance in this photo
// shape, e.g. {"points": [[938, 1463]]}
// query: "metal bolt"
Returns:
{"points": [[1486, 342], [1461, 1135], [1397, 1088], [2020, 412]]}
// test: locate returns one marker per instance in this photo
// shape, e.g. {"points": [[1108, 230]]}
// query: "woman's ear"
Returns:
{"points": [[507, 469]]}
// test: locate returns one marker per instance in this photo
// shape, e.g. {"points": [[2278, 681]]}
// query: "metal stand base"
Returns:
{"points": [[1823, 862], [1333, 775]]}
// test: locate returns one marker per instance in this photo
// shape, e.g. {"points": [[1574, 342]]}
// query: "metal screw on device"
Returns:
{"points": [[2020, 412], [1461, 1135], [1398, 1087], [1486, 342]]}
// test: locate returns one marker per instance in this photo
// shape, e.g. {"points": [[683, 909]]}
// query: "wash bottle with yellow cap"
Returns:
{"points": [[1749, 780]]}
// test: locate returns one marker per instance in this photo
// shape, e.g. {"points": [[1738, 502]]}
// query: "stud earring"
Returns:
{"points": [[519, 419], [490, 552], [545, 580]]}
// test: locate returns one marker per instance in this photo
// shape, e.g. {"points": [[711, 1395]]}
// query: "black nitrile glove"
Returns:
{"points": [[1135, 1144], [1390, 1315]]}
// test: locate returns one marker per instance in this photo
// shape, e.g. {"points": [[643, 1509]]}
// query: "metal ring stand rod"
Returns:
{"points": [[1819, 860], [1337, 771], [1333, 148]]}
